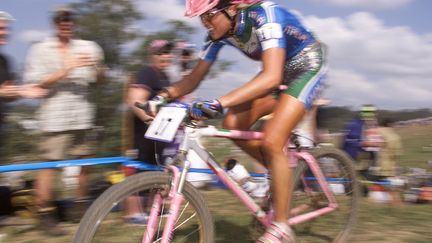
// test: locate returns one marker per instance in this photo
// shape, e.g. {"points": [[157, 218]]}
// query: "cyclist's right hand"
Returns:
{"points": [[201, 110]]}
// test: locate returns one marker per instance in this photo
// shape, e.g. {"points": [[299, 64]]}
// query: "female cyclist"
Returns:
{"points": [[291, 56]]}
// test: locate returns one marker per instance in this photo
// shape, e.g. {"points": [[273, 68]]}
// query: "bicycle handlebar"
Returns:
{"points": [[209, 112]]}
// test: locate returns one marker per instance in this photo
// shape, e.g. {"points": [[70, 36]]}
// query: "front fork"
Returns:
{"points": [[176, 199]]}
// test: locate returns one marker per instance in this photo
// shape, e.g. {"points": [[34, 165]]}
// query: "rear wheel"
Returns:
{"points": [[339, 172], [105, 220]]}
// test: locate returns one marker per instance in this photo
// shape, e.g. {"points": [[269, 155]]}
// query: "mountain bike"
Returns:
{"points": [[324, 192]]}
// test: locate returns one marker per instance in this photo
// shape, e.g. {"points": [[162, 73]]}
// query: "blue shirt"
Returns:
{"points": [[263, 26], [353, 136]]}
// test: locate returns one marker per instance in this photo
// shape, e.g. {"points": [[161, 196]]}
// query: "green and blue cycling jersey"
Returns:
{"points": [[267, 25], [263, 26]]}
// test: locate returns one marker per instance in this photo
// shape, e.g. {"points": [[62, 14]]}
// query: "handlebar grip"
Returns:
{"points": [[209, 112]]}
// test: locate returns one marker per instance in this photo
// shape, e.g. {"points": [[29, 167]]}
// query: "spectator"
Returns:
{"points": [[66, 67], [151, 79], [7, 89], [385, 167], [391, 150], [362, 138]]}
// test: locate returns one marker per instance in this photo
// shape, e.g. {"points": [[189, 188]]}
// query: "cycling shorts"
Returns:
{"points": [[304, 74]]}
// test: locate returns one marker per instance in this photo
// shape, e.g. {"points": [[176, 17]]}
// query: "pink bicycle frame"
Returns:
{"points": [[176, 201], [177, 198], [294, 157]]}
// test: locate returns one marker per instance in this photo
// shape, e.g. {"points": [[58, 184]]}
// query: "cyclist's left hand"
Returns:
{"points": [[155, 103], [198, 109]]}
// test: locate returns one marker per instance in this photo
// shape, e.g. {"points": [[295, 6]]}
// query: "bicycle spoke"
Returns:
{"points": [[110, 224]]}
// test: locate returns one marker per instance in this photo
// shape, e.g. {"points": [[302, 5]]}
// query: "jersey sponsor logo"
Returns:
{"points": [[259, 19], [295, 32], [253, 15], [248, 47]]}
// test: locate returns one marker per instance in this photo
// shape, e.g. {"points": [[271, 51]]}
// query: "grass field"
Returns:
{"points": [[376, 222], [417, 143]]}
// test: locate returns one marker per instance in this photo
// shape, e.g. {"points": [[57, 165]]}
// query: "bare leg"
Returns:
{"points": [[243, 116], [133, 205], [44, 187], [82, 190], [287, 114]]}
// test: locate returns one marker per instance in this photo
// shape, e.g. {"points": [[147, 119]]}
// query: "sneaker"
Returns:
{"points": [[275, 234], [137, 218]]}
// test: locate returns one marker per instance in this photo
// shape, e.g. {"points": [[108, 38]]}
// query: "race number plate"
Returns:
{"points": [[165, 125]]}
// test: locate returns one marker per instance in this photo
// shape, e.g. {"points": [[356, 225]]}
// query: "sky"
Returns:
{"points": [[379, 51]]}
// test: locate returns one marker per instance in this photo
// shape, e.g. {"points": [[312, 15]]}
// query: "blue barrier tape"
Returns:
{"points": [[141, 165], [125, 161], [62, 164]]}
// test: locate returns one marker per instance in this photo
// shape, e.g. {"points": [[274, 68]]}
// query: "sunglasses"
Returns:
{"points": [[64, 17], [207, 16]]}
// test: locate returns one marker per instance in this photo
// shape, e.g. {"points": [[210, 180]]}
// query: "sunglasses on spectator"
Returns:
{"points": [[64, 17]]}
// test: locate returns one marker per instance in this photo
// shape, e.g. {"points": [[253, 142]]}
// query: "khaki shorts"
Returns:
{"points": [[66, 145]]}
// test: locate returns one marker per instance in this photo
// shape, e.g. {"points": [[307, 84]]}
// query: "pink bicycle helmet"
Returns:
{"points": [[198, 7]]}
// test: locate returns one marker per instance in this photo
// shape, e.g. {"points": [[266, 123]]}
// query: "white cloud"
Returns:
{"points": [[428, 37], [374, 63], [157, 12], [370, 62], [30, 36], [371, 4], [165, 9]]}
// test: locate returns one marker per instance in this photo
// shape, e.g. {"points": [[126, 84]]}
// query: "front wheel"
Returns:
{"points": [[120, 214], [338, 169]]}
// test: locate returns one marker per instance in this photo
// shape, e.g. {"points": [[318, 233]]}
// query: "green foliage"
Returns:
{"points": [[108, 98], [22, 144], [176, 30], [17, 144], [180, 29], [108, 22]]}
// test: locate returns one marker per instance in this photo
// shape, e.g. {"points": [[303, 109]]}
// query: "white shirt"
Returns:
{"points": [[66, 107]]}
